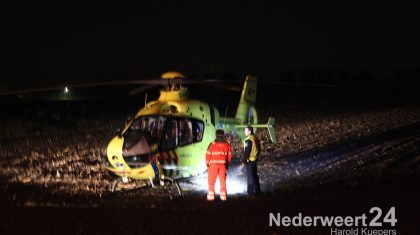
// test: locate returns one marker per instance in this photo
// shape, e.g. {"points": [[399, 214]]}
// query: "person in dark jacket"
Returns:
{"points": [[250, 159]]}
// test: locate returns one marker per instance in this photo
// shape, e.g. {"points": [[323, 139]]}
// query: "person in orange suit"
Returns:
{"points": [[218, 157]]}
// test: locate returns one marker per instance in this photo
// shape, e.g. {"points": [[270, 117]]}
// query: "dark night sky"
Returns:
{"points": [[73, 42]]}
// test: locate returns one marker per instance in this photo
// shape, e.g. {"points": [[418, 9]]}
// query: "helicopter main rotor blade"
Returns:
{"points": [[154, 82], [151, 83], [215, 83], [142, 89], [303, 84], [220, 82], [219, 85]]}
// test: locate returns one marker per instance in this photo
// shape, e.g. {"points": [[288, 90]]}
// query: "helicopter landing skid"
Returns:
{"points": [[124, 180], [114, 183], [168, 181]]}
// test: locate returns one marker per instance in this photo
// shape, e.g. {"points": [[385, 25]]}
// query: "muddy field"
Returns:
{"points": [[328, 160]]}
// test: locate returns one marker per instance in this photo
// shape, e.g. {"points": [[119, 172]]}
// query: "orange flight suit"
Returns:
{"points": [[218, 157]]}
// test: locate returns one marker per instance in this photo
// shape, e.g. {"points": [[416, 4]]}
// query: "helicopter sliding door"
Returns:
{"points": [[177, 147], [170, 135], [180, 132]]}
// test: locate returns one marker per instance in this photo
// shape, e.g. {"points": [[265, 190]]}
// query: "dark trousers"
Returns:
{"points": [[252, 178]]}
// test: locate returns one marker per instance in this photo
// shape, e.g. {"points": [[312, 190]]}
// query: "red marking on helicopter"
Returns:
{"points": [[118, 171]]}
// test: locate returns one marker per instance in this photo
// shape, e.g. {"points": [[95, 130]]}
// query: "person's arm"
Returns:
{"points": [[247, 151], [208, 155]]}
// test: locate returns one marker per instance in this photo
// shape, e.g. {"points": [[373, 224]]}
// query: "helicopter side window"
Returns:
{"points": [[170, 137], [191, 131], [180, 132], [199, 129], [132, 136], [185, 132]]}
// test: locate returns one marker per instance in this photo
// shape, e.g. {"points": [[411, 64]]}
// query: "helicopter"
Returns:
{"points": [[168, 138]]}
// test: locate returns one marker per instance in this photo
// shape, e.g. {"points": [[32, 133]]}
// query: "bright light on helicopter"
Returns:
{"points": [[66, 90]]}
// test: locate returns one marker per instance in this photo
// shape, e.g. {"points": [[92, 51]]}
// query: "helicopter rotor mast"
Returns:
{"points": [[174, 80]]}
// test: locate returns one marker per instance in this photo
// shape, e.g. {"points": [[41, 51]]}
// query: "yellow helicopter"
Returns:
{"points": [[168, 138]]}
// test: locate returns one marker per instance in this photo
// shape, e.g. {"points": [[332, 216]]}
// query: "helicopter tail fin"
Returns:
{"points": [[246, 112], [271, 129]]}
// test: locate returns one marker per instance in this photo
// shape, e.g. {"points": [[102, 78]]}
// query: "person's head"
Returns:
{"points": [[220, 134], [248, 130]]}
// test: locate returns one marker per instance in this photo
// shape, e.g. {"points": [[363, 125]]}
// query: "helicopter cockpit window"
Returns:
{"points": [[136, 149], [132, 136], [152, 126]]}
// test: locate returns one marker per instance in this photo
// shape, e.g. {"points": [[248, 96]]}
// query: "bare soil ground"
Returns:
{"points": [[327, 161]]}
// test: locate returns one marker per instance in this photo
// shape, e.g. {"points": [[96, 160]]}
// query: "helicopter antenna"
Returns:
{"points": [[145, 99], [227, 107]]}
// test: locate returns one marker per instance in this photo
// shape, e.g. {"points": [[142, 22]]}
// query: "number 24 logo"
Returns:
{"points": [[388, 218]]}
